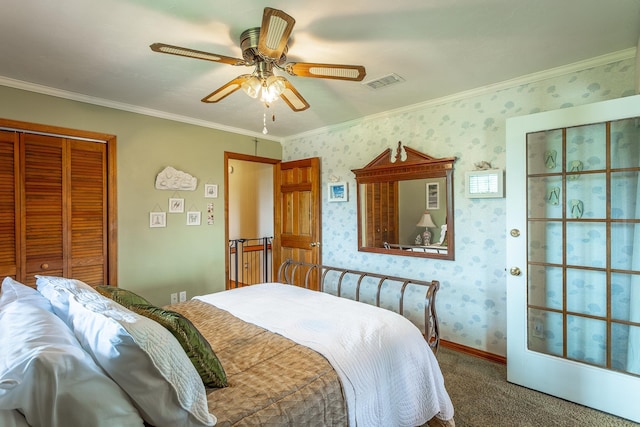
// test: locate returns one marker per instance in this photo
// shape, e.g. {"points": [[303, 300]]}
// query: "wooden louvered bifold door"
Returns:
{"points": [[9, 248], [42, 206], [382, 213], [64, 209], [88, 213], [57, 203]]}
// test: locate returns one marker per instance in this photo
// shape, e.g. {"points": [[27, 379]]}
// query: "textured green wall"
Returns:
{"points": [[154, 261]]}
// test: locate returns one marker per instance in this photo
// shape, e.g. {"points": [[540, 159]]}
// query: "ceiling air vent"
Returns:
{"points": [[385, 81]]}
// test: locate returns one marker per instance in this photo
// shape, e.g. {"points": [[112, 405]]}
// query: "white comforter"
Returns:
{"points": [[389, 374]]}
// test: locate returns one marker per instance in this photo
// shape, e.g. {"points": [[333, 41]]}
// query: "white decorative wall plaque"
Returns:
{"points": [[172, 179]]}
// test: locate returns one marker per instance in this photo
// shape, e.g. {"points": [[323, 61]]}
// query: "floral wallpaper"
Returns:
{"points": [[471, 303]]}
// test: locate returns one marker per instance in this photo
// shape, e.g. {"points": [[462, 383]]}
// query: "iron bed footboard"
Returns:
{"points": [[306, 275]]}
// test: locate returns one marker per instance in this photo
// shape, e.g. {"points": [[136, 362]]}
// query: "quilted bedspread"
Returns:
{"points": [[388, 372], [272, 380]]}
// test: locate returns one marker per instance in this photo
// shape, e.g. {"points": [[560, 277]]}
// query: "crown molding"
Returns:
{"points": [[74, 96], [507, 84]]}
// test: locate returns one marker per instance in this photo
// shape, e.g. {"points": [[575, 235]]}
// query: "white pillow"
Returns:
{"points": [[12, 291], [57, 289], [139, 354], [47, 376], [12, 419]]}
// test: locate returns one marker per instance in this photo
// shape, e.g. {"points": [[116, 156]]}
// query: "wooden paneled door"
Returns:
{"points": [[297, 212], [57, 206]]}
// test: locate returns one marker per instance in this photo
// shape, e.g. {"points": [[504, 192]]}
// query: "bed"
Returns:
{"points": [[269, 354]]}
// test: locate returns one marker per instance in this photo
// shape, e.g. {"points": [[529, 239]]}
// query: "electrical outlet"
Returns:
{"points": [[174, 298], [538, 328], [183, 296]]}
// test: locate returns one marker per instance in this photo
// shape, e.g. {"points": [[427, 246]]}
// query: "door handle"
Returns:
{"points": [[515, 271], [314, 244]]}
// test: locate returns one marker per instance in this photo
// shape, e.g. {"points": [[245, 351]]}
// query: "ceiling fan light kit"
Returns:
{"points": [[266, 90], [265, 48]]}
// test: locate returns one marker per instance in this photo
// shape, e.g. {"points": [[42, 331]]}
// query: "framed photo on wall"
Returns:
{"points": [[211, 191], [157, 219], [176, 205], [193, 218], [433, 195], [338, 192]]}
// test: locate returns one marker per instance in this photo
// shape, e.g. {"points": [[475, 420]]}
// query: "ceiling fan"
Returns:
{"points": [[265, 48]]}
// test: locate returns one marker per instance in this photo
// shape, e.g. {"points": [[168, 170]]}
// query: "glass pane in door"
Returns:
{"points": [[625, 346], [545, 244], [544, 152], [586, 244], [625, 143], [544, 194], [586, 292], [574, 313], [587, 340], [583, 287], [545, 287], [545, 332]]}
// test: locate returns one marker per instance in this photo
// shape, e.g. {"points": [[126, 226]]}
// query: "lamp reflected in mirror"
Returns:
{"points": [[427, 222]]}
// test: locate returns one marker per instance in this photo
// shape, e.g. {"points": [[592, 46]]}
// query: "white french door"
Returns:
{"points": [[573, 245]]}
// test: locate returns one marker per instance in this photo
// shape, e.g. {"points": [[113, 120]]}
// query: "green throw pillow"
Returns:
{"points": [[194, 344], [121, 296]]}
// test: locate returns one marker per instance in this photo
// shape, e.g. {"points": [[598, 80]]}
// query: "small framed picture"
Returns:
{"points": [[176, 205], [193, 218], [157, 219], [211, 191], [338, 192], [433, 195]]}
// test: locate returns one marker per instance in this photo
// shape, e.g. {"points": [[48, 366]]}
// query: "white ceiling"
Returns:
{"points": [[99, 51]]}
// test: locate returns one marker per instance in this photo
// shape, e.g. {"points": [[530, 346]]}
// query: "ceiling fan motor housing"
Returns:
{"points": [[249, 45]]}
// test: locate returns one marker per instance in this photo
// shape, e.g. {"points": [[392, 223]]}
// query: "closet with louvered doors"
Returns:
{"points": [[381, 210], [55, 206]]}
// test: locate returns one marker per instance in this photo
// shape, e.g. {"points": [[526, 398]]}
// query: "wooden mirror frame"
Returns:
{"points": [[389, 167]]}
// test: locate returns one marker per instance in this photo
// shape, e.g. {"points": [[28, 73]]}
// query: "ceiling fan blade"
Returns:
{"points": [[197, 54], [293, 98], [274, 33], [226, 90], [326, 71]]}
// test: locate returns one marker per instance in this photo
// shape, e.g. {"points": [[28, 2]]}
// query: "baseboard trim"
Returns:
{"points": [[474, 352]]}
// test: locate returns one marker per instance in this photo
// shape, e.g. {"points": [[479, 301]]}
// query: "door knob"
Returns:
{"points": [[515, 232], [314, 244], [515, 271]]}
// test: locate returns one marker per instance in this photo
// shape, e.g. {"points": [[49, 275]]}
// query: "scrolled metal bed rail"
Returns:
{"points": [[291, 270]]}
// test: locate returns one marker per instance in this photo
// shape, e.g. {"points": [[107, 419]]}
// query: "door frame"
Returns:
{"points": [[276, 246], [248, 158]]}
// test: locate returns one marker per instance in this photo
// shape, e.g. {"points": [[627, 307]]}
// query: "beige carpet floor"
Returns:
{"points": [[482, 397]]}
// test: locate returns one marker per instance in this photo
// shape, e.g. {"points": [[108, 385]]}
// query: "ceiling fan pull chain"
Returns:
{"points": [[264, 122]]}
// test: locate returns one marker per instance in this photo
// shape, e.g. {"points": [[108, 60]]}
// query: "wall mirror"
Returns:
{"points": [[405, 204]]}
